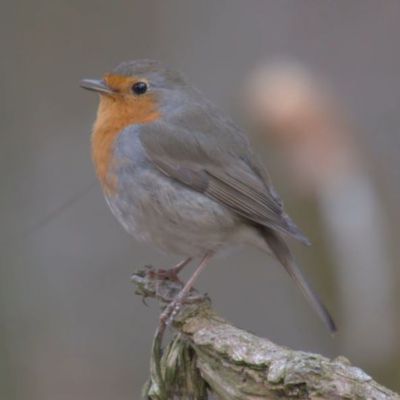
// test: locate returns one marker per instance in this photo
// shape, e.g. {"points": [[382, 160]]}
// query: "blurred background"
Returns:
{"points": [[317, 84]]}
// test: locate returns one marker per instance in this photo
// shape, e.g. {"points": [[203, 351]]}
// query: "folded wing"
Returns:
{"points": [[219, 172]]}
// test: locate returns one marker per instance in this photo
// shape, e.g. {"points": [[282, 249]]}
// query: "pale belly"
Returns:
{"points": [[176, 219]]}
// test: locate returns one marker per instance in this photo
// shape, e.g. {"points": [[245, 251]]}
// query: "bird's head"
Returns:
{"points": [[135, 92]]}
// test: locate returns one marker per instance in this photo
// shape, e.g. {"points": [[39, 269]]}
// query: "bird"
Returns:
{"points": [[177, 173]]}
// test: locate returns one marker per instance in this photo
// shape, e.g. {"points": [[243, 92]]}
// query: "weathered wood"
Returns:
{"points": [[210, 357]]}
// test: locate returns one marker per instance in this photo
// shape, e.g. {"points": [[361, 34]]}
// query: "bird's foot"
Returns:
{"points": [[171, 274], [150, 283], [158, 283], [165, 274]]}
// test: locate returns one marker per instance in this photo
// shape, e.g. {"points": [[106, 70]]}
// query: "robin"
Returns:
{"points": [[179, 174]]}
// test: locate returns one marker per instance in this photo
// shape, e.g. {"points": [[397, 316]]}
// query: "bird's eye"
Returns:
{"points": [[139, 87]]}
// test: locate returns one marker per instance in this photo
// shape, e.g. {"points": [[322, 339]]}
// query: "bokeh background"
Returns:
{"points": [[70, 325]]}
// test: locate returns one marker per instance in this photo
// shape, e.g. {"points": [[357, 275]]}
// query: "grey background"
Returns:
{"points": [[70, 326]]}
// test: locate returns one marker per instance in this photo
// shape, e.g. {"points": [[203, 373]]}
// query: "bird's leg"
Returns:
{"points": [[172, 273], [179, 267], [174, 306]]}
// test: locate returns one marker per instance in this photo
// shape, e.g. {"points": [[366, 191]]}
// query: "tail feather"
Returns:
{"points": [[294, 231], [282, 252]]}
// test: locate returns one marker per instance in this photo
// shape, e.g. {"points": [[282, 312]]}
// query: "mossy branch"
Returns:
{"points": [[209, 357]]}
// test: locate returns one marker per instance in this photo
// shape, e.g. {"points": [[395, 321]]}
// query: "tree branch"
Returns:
{"points": [[210, 356]]}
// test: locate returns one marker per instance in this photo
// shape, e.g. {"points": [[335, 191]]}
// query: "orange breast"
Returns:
{"points": [[115, 113]]}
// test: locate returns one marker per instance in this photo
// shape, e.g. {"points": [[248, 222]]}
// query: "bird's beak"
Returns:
{"points": [[96, 85]]}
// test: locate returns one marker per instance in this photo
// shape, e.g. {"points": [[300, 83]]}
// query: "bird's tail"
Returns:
{"points": [[282, 252]]}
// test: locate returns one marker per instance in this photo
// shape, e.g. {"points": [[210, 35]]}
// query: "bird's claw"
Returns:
{"points": [[165, 274]]}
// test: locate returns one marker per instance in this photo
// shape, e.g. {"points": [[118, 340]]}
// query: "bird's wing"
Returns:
{"points": [[220, 170]]}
